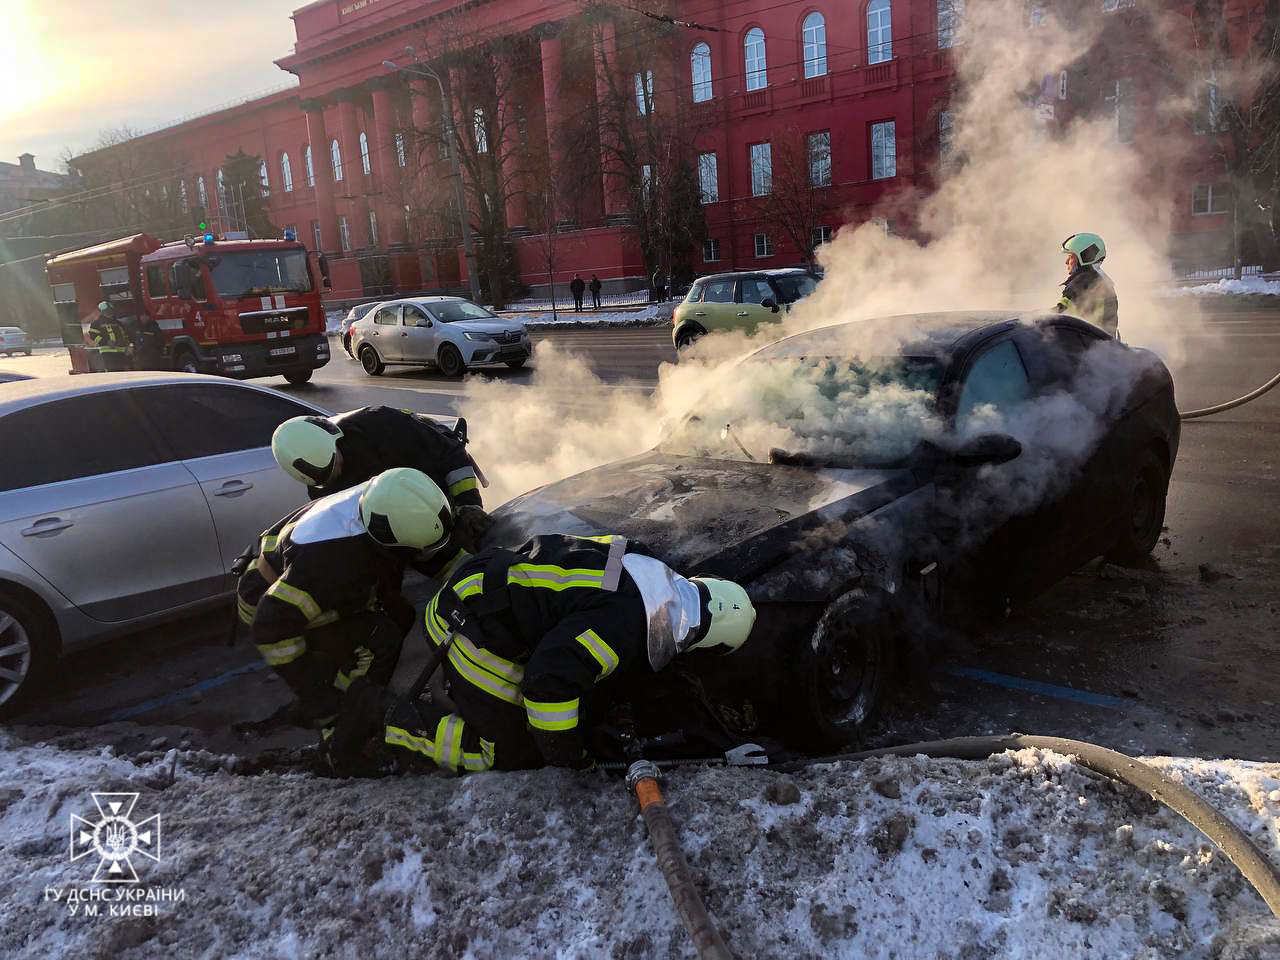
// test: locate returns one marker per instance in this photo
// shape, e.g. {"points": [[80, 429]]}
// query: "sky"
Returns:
{"points": [[70, 69]]}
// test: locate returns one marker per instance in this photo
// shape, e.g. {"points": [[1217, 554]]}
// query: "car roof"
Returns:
{"points": [[771, 272], [27, 393]]}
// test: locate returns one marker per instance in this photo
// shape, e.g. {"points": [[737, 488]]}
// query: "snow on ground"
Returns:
{"points": [[1023, 855], [1245, 285]]}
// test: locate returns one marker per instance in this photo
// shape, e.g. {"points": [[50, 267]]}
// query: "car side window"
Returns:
{"points": [[412, 315], [718, 291], [998, 377], [83, 436], [387, 316], [206, 419], [755, 290], [695, 293]]}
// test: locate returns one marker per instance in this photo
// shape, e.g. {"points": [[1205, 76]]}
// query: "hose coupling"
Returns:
{"points": [[641, 770]]}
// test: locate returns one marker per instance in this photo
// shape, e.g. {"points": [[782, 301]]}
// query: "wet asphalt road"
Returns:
{"points": [[1183, 657]]}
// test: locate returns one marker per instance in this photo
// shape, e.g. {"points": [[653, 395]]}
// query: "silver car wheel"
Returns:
{"points": [[15, 656]]}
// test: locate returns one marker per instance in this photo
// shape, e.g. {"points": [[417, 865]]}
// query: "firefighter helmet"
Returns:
{"points": [[728, 611], [403, 507], [1088, 248], [307, 448]]}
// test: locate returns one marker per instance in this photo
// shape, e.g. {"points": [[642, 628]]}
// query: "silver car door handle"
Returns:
{"points": [[744, 313], [47, 525], [232, 487]]}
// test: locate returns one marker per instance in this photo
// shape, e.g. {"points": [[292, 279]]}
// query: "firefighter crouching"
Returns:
{"points": [[329, 454], [108, 335], [1088, 293], [533, 639], [323, 597]]}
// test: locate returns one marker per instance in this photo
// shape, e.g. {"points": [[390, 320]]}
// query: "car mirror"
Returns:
{"points": [[771, 303], [986, 448], [424, 322]]}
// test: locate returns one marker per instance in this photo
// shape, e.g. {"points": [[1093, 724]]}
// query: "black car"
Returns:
{"points": [[874, 484]]}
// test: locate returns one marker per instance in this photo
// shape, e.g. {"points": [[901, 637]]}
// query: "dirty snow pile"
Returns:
{"points": [[1245, 285], [1023, 855], [656, 314]]}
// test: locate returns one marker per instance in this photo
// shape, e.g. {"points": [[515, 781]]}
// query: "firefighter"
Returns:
{"points": [[329, 454], [536, 642], [108, 335], [148, 345], [322, 597], [1088, 293]]}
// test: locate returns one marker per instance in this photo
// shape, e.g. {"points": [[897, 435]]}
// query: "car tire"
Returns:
{"points": [[346, 344], [516, 364], [29, 632], [846, 667], [371, 362], [686, 338], [184, 361], [299, 378], [1143, 519], [449, 360]]}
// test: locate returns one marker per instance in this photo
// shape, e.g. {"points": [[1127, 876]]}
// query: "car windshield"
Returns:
{"points": [[451, 311], [794, 288], [260, 273], [836, 411]]}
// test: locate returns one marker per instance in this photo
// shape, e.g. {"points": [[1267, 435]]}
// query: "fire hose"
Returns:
{"points": [[1253, 864], [1230, 404]]}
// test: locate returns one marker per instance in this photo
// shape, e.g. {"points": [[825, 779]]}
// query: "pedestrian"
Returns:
{"points": [[659, 284], [148, 345], [577, 288], [322, 597], [1088, 293], [107, 333], [594, 287], [330, 454], [537, 643]]}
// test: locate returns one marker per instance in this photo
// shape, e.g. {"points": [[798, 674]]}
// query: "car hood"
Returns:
{"points": [[486, 326], [701, 516]]}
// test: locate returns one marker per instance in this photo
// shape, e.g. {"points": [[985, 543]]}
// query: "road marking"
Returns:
{"points": [[1045, 689], [146, 706]]}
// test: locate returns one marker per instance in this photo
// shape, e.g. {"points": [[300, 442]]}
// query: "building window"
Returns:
{"points": [[815, 45], [764, 245], [315, 235], [364, 154], [222, 190], [884, 151], [819, 236], [700, 68], [950, 12], [1211, 198], [182, 195], [819, 151], [400, 156], [646, 181], [1122, 110], [1062, 85], [761, 169], [644, 92], [946, 143], [1037, 13], [479, 130], [201, 193], [753, 49], [308, 166], [373, 227], [263, 179], [708, 181], [879, 31], [344, 233], [1209, 116], [1111, 6], [710, 250], [335, 157], [286, 173]]}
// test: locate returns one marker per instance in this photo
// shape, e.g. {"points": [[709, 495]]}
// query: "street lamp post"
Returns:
{"points": [[460, 195]]}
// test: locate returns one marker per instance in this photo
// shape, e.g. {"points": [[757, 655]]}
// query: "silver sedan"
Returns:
{"points": [[124, 499]]}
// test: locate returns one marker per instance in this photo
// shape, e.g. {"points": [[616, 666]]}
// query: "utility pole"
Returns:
{"points": [[460, 194]]}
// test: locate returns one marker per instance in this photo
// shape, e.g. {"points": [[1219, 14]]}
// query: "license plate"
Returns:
{"points": [[282, 351]]}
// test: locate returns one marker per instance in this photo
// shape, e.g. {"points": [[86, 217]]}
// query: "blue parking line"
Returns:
{"points": [[147, 706], [1047, 689]]}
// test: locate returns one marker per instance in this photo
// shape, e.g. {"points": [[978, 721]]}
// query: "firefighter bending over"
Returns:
{"points": [[1088, 293], [330, 454], [538, 640], [323, 597], [108, 334]]}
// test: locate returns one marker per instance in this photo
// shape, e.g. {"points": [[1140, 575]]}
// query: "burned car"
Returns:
{"points": [[873, 485]]}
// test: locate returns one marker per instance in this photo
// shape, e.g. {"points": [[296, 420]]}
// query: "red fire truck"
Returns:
{"points": [[240, 308]]}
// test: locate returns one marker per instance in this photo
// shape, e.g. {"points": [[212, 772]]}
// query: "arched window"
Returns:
{"points": [[222, 191], [364, 154], [479, 130], [286, 173], [308, 167], [182, 195], [815, 45], [879, 32], [263, 178], [753, 51], [700, 68], [201, 193], [335, 156]]}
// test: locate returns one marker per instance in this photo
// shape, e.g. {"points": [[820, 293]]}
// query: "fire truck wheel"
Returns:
{"points": [[299, 378], [372, 364], [185, 361]]}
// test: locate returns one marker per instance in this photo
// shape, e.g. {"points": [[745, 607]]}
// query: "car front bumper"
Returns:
{"points": [[488, 351]]}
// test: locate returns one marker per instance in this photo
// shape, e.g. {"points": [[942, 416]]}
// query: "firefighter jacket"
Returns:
{"points": [[375, 439], [108, 335], [529, 635], [1089, 294], [318, 570]]}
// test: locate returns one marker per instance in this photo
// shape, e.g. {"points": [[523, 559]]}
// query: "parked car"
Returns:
{"points": [[14, 340], [856, 555], [447, 333], [125, 501], [355, 313], [738, 301]]}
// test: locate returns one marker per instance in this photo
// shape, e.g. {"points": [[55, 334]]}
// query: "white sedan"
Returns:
{"points": [[448, 333]]}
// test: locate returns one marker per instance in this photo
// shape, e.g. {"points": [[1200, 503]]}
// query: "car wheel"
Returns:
{"points": [[686, 338], [299, 378], [372, 364], [516, 364], [1144, 516], [28, 646], [450, 361], [185, 361], [846, 666]]}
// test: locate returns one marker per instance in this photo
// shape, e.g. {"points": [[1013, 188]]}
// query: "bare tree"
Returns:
{"points": [[800, 198]]}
